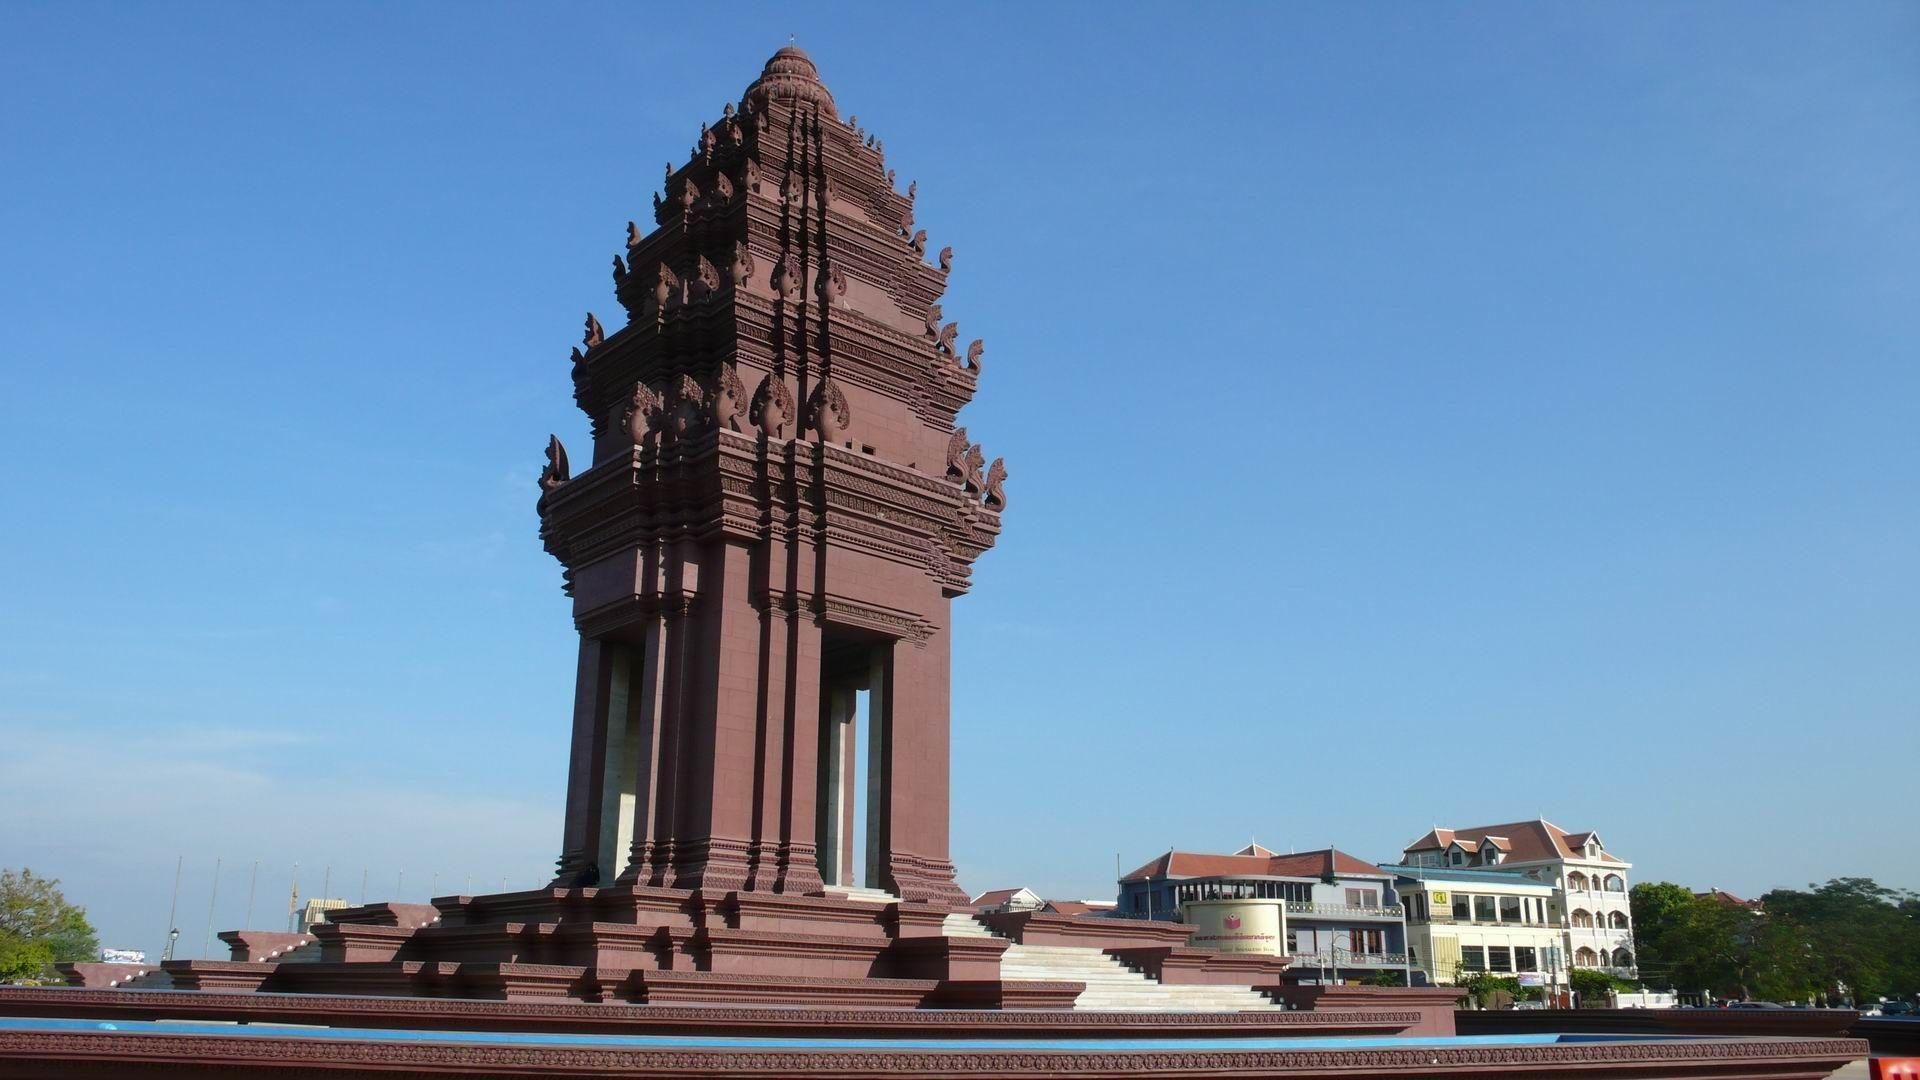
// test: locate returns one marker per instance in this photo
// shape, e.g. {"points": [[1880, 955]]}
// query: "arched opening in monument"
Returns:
{"points": [[855, 727]]}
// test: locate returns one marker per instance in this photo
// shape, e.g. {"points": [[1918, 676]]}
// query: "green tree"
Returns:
{"points": [[1482, 986], [1592, 986], [38, 927], [1851, 932], [1690, 942]]}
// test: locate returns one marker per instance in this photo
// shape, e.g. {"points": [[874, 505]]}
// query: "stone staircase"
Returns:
{"points": [[1111, 985]]}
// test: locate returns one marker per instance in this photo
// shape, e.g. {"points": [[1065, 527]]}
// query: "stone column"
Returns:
{"points": [[916, 765], [649, 684], [586, 767], [719, 726], [836, 771]]}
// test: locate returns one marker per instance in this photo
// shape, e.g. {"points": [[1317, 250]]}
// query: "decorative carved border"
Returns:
{"points": [[391, 1055]]}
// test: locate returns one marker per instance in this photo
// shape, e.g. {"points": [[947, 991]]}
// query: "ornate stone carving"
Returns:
{"points": [[790, 190], [742, 268], [946, 257], [556, 471], [786, 277], [949, 334], [996, 495], [687, 417], [919, 241], [594, 335], [642, 413], [828, 413], [971, 478], [913, 189], [706, 278], [974, 351], [729, 400], [619, 270], [633, 234], [750, 175], [934, 315], [689, 194], [665, 284], [957, 454], [772, 407], [722, 187], [831, 284]]}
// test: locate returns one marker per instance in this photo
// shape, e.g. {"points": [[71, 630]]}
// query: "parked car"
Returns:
{"points": [[1898, 1008]]}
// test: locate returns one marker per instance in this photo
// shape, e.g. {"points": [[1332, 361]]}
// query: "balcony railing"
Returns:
{"points": [[1343, 958], [1345, 911]]}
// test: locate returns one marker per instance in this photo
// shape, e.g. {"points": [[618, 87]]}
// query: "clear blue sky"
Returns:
{"points": [[1441, 413]]}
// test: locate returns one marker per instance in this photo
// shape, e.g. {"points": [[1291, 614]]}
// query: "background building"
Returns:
{"points": [[1590, 882], [1463, 921], [1343, 914]]}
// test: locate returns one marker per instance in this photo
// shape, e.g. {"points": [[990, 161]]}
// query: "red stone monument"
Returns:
{"points": [[779, 514]]}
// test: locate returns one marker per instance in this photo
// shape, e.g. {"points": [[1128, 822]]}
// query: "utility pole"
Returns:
{"points": [[252, 880], [293, 899], [206, 946], [173, 928]]}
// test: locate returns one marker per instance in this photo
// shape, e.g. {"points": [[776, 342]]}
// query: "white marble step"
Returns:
{"points": [[861, 894], [1110, 984]]}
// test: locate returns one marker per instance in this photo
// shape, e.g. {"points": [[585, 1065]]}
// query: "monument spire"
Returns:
{"points": [[779, 511]]}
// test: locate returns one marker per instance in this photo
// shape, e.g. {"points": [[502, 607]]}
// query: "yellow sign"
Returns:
{"points": [[1439, 898], [1238, 926]]}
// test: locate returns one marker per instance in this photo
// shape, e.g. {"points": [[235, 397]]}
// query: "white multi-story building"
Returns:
{"points": [[1465, 921], [1590, 883]]}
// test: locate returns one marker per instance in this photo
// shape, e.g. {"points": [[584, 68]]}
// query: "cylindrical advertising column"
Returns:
{"points": [[1238, 926]]}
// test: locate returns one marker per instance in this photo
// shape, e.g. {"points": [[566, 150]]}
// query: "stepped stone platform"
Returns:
{"points": [[648, 945]]}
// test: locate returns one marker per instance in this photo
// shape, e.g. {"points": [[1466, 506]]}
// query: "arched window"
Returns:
{"points": [[1585, 957], [1617, 920], [1622, 958], [1582, 917], [1616, 883], [1576, 880]]}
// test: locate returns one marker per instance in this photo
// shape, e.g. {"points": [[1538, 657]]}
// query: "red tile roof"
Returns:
{"points": [[1727, 898], [1522, 841], [1319, 863], [995, 897]]}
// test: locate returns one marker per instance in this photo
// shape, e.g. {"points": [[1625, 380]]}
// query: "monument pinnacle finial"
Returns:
{"points": [[789, 75]]}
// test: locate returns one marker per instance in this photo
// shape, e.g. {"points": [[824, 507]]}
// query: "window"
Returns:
{"points": [[1577, 881], [1616, 883], [1369, 941], [1622, 958], [1585, 957], [1483, 909], [1363, 897], [1474, 958], [1462, 909], [1525, 958], [1293, 942], [1583, 918], [1499, 958], [1617, 920], [1510, 909]]}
